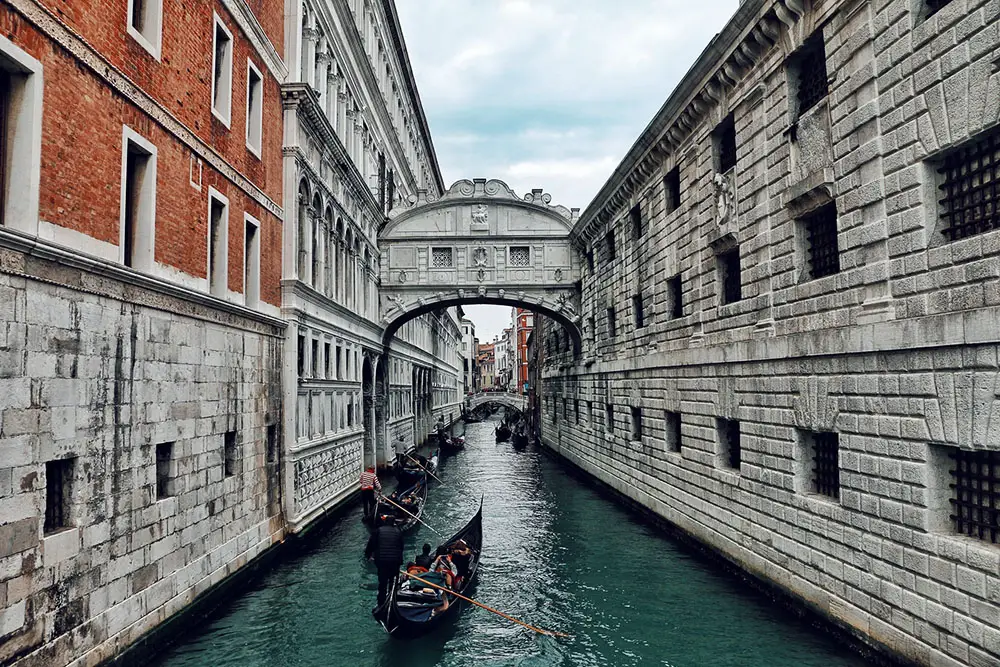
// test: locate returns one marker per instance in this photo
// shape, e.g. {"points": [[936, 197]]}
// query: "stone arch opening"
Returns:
{"points": [[381, 415], [368, 406]]}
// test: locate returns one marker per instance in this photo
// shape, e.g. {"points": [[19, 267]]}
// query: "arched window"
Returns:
{"points": [[304, 226], [329, 249], [317, 249]]}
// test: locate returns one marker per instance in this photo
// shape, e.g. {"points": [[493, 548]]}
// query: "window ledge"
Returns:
{"points": [[153, 49], [225, 120]]}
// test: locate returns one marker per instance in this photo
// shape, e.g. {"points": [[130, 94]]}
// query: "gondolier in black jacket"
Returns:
{"points": [[386, 547]]}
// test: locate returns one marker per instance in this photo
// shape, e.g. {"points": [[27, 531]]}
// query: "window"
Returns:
{"points": [[301, 355], [251, 261], [222, 72], [315, 358], [637, 311], [819, 230], [329, 361], [164, 470], [970, 187], [612, 331], [576, 409], [590, 258], [672, 190], [58, 494], [338, 367], [229, 453], [350, 413], [218, 235], [729, 442], [635, 218], [729, 275], [590, 411], [138, 201], [675, 303], [271, 461], [724, 140], [255, 108], [636, 423], [934, 5], [520, 255], [441, 258], [555, 412], [609, 243], [609, 417], [808, 71], [975, 493], [672, 431], [144, 19], [592, 328], [21, 92], [821, 462]]}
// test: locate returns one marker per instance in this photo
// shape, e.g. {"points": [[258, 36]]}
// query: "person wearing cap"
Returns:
{"points": [[385, 546], [369, 484]]}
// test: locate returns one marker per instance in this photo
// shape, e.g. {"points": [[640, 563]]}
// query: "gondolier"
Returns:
{"points": [[385, 546], [369, 484]]}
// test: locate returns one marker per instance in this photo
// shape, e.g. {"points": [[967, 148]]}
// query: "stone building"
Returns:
{"points": [[356, 145], [791, 316], [140, 339]]}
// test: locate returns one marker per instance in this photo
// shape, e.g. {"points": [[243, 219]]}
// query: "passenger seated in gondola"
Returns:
{"points": [[443, 565], [461, 556], [425, 559]]}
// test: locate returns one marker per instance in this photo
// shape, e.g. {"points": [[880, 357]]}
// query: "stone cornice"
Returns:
{"points": [[251, 27], [85, 54], [744, 41]]}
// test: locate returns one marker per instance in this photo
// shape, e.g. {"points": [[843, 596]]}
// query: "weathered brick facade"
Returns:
{"points": [[891, 353]]}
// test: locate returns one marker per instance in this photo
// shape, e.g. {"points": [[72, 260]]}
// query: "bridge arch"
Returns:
{"points": [[480, 243]]}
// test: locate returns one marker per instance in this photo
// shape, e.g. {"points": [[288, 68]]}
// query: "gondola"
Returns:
{"points": [[452, 445], [432, 462], [411, 611], [406, 521], [471, 418], [503, 433]]}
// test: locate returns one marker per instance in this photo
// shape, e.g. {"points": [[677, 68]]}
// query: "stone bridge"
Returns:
{"points": [[508, 400], [480, 243]]}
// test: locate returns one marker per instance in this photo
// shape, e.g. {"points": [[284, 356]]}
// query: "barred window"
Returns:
{"points": [[612, 330], [810, 67], [674, 292], [729, 442], [934, 5], [637, 311], [58, 494], [975, 499], [520, 255], [636, 423], [609, 417], [724, 139], [590, 258], [729, 275], [441, 258], [970, 191], [635, 216], [164, 473], [820, 232], [229, 453], [609, 242], [825, 452], [672, 189], [672, 431], [576, 409]]}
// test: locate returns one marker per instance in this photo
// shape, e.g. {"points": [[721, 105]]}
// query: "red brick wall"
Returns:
{"points": [[82, 134]]}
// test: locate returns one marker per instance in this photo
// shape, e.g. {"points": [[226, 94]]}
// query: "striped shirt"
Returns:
{"points": [[369, 480]]}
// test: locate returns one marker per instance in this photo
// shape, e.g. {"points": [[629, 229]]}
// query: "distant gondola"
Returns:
{"points": [[405, 521], [520, 439], [452, 445], [471, 418], [503, 433], [409, 612]]}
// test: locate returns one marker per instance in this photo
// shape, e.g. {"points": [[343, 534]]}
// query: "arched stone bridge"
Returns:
{"points": [[480, 243], [515, 401]]}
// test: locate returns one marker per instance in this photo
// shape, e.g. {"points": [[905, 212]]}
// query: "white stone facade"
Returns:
{"points": [[894, 353]]}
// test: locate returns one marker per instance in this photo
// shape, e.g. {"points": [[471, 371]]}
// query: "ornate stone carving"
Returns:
{"points": [[558, 275], [723, 186], [481, 276], [403, 277], [480, 256], [480, 215]]}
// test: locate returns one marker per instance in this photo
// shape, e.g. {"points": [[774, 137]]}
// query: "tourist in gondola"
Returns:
{"points": [[444, 565], [385, 546], [461, 556], [369, 485], [425, 559]]}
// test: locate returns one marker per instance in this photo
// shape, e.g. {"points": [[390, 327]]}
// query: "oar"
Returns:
{"points": [[425, 469], [412, 515], [551, 633]]}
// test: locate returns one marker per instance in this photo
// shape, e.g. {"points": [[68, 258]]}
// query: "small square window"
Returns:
{"points": [[441, 258], [635, 218], [637, 311], [255, 108], [609, 244], [728, 431], [729, 275], [970, 187], [975, 493], [58, 494], [724, 141], [222, 72], [672, 190], [672, 431], [819, 231], [636, 423], [612, 330], [822, 452], [675, 302], [229, 453], [165, 482], [520, 255]]}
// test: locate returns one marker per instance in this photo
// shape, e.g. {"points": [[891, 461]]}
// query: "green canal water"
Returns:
{"points": [[556, 555]]}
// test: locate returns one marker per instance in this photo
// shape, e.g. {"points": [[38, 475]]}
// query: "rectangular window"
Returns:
{"points": [[592, 328], [724, 140], [970, 187], [144, 20], [590, 411], [636, 423], [229, 453], [975, 493], [612, 330], [329, 361], [675, 303], [728, 431], [819, 231], [251, 261], [609, 244], [520, 255], [315, 359], [672, 430], [609, 417], [350, 414], [138, 201], [729, 275], [809, 68], [590, 258], [222, 72], [339, 370], [441, 258], [820, 460], [637, 311], [672, 190], [218, 235], [21, 93], [933, 6], [58, 494], [576, 409], [271, 461], [255, 108], [635, 218], [164, 470], [301, 355]]}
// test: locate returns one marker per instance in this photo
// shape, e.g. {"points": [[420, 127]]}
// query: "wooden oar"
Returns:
{"points": [[412, 515], [425, 469], [550, 633]]}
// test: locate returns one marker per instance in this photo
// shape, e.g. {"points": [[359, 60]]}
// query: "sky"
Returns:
{"points": [[547, 94]]}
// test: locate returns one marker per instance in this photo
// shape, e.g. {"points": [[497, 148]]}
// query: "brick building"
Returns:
{"points": [[523, 323], [791, 316]]}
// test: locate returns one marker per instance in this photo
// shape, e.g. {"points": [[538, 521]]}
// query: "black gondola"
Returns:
{"points": [[503, 432], [409, 612], [452, 445], [405, 521]]}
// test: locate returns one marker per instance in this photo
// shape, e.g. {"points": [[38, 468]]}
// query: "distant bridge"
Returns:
{"points": [[516, 401]]}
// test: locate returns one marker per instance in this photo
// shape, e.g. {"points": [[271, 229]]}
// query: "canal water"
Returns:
{"points": [[556, 555]]}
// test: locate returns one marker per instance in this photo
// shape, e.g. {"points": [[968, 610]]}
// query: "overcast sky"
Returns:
{"points": [[548, 93]]}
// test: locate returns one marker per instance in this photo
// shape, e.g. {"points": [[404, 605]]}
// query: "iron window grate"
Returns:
{"points": [[674, 287], [812, 77], [729, 431], [520, 255], [635, 215], [826, 464], [821, 236], [58, 477], [729, 267], [609, 242], [725, 137], [970, 202], [934, 5], [637, 311], [441, 258], [975, 501], [672, 189], [612, 329]]}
